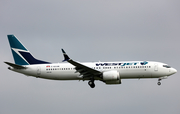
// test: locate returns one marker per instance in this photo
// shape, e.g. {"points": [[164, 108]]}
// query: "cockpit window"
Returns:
{"points": [[166, 66]]}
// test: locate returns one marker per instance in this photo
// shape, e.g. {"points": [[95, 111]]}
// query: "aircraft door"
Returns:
{"points": [[38, 70], [155, 67]]}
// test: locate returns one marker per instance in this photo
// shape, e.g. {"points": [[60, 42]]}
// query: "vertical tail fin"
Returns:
{"points": [[21, 55]]}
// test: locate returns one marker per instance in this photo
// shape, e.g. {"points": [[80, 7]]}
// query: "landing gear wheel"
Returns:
{"points": [[91, 84], [159, 83]]}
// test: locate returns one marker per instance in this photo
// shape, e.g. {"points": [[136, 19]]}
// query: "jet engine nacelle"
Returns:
{"points": [[111, 75], [113, 82]]}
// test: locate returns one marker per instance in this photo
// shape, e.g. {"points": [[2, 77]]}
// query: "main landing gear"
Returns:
{"points": [[91, 83]]}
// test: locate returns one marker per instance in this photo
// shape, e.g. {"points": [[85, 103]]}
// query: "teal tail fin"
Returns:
{"points": [[21, 55]]}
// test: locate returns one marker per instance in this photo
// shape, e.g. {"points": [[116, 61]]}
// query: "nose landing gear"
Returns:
{"points": [[159, 83]]}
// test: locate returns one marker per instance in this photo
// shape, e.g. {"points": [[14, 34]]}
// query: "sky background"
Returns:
{"points": [[91, 30]]}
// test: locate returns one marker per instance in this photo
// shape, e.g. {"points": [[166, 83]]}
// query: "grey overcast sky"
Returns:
{"points": [[91, 30]]}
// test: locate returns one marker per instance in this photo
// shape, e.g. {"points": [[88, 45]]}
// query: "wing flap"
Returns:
{"points": [[82, 68]]}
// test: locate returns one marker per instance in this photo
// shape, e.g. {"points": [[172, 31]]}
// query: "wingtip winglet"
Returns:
{"points": [[63, 51], [66, 57]]}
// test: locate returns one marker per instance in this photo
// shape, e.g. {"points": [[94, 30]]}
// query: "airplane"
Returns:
{"points": [[107, 72]]}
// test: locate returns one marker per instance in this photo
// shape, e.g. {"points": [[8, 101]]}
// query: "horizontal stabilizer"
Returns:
{"points": [[15, 65]]}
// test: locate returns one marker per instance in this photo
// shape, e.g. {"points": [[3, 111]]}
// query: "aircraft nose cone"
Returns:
{"points": [[174, 71]]}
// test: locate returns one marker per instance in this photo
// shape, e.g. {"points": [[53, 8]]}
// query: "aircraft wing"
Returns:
{"points": [[85, 71], [15, 65]]}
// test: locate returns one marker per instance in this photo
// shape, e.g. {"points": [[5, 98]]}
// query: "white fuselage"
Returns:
{"points": [[126, 69], [107, 72]]}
